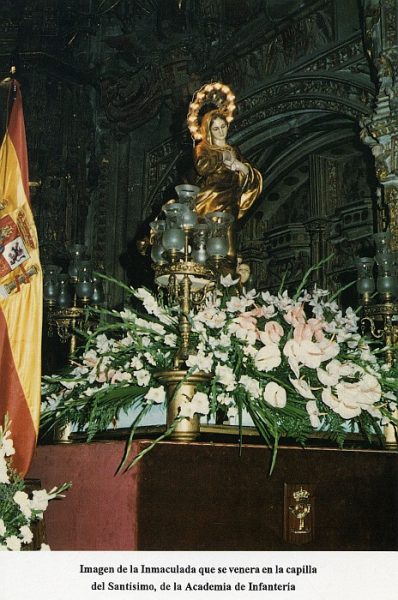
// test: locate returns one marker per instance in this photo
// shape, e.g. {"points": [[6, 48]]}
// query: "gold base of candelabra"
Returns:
{"points": [[200, 275], [383, 322], [66, 321], [181, 389], [378, 312]]}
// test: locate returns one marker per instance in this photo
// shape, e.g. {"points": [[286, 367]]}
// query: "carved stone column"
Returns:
{"points": [[323, 202], [380, 131]]}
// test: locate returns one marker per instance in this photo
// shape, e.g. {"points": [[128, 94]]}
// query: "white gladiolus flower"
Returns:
{"points": [[313, 413], [251, 385], [268, 298], [186, 410], [126, 314], [236, 304], [40, 500], [243, 333], [222, 356], [250, 350], [283, 301], [91, 391], [232, 412], [224, 340], [136, 363], [22, 499], [69, 385], [156, 395], [226, 377], [7, 446], [79, 371], [150, 359], [228, 281], [4, 477], [44, 547], [217, 321], [303, 388], [268, 312], [170, 340], [26, 533], [275, 395], [3, 528], [143, 377], [268, 358], [199, 404], [13, 543], [120, 376], [151, 305], [200, 361], [224, 399], [125, 342], [102, 343], [90, 358]]}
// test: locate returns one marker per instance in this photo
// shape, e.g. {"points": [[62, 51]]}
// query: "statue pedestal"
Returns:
{"points": [[204, 496]]}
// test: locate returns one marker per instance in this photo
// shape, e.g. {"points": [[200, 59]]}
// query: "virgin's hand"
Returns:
{"points": [[236, 165]]}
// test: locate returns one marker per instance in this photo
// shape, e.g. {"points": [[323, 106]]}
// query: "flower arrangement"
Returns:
{"points": [[296, 364], [17, 510]]}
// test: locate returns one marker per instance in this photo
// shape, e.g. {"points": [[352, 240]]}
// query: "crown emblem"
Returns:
{"points": [[301, 494]]}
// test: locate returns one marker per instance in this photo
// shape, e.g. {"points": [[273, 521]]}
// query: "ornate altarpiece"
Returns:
{"points": [[106, 88]]}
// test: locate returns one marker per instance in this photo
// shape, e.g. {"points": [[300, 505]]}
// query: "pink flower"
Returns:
{"points": [[247, 321], [302, 332], [263, 311], [272, 333], [295, 315], [317, 326]]}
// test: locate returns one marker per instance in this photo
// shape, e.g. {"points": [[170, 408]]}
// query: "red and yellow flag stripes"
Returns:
{"points": [[20, 292]]}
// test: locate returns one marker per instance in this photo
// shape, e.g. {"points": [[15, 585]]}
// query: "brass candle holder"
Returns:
{"points": [[381, 316], [188, 254]]}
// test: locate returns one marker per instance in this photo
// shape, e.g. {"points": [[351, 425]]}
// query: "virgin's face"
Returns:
{"points": [[218, 131], [244, 271]]}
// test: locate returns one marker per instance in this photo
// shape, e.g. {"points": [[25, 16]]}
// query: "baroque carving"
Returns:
{"points": [[337, 95], [349, 52], [160, 173]]}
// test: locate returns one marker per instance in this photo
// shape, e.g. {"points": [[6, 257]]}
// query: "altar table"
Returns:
{"points": [[208, 496]]}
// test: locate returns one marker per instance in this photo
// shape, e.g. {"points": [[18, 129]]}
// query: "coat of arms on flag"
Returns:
{"points": [[13, 252]]}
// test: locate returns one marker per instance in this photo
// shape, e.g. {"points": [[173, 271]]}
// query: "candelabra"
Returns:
{"points": [[378, 295], [67, 294], [379, 300], [188, 254]]}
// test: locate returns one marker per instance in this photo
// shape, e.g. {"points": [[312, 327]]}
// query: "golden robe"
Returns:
{"points": [[221, 188]]}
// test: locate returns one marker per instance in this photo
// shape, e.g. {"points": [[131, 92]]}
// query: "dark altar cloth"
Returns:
{"points": [[204, 496]]}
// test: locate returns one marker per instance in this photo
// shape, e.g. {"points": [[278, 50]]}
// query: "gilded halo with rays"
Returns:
{"points": [[217, 94]]}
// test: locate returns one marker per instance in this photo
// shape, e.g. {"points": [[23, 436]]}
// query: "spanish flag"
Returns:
{"points": [[20, 286]]}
